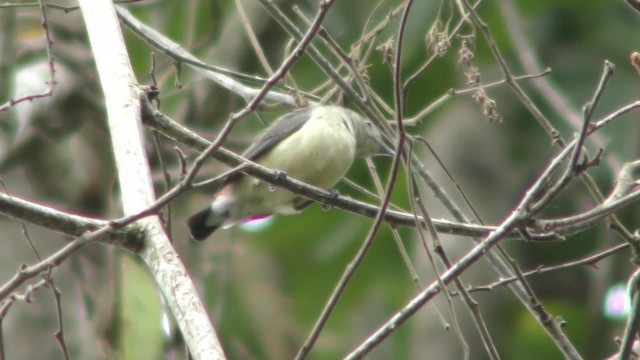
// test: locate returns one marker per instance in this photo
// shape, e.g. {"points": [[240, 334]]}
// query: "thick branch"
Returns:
{"points": [[122, 98], [64, 223]]}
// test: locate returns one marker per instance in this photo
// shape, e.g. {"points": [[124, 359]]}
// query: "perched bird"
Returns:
{"points": [[317, 145]]}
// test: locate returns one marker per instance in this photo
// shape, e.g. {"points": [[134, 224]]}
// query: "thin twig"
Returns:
{"points": [[454, 92], [252, 38], [545, 87], [514, 220], [528, 103], [620, 197], [607, 73], [418, 205], [52, 69], [394, 231], [221, 76], [413, 77], [46, 276], [355, 262], [587, 260], [635, 5], [59, 334], [263, 93], [25, 295], [2, 352], [633, 324], [53, 260]]}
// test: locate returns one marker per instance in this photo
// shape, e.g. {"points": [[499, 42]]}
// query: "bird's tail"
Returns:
{"points": [[200, 224], [206, 221]]}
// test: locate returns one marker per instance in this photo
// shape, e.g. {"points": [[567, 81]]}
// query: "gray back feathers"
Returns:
{"points": [[278, 131]]}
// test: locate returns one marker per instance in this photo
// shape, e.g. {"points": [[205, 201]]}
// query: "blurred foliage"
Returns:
{"points": [[265, 291], [142, 309]]}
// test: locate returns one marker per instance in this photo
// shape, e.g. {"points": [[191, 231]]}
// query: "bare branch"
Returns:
{"points": [[122, 98]]}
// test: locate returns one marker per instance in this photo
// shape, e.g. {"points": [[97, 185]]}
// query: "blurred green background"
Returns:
{"points": [[265, 289]]}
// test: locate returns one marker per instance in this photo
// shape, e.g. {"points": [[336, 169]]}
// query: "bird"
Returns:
{"points": [[316, 144]]}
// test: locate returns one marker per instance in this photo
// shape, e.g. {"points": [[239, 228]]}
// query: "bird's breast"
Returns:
{"points": [[319, 153]]}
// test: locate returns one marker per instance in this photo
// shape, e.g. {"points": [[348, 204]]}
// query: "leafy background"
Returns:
{"points": [[265, 289]]}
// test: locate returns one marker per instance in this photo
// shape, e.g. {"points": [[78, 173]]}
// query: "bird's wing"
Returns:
{"points": [[278, 131]]}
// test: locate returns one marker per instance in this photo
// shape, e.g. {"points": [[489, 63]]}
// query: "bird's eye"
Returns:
{"points": [[369, 124]]}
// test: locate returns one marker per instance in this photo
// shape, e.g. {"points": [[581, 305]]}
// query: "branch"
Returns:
{"points": [[514, 220], [64, 223], [377, 222], [623, 194], [588, 260], [122, 98], [518, 218], [52, 81], [173, 130], [219, 75], [633, 324]]}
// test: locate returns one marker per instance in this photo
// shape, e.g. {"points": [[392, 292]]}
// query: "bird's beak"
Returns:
{"points": [[385, 149]]}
